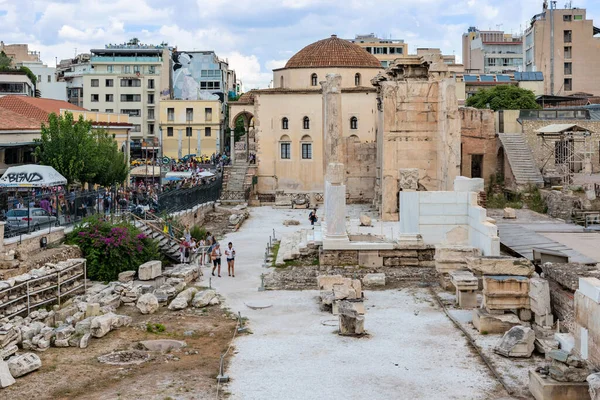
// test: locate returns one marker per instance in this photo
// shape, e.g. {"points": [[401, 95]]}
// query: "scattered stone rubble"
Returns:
{"points": [[517, 342], [343, 297]]}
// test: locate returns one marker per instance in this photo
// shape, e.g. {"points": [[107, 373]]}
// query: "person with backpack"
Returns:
{"points": [[215, 256], [312, 217]]}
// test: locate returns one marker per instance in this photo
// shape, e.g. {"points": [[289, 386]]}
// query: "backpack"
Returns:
{"points": [[187, 252]]}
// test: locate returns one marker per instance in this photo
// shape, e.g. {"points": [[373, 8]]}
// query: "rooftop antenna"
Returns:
{"points": [[75, 52]]}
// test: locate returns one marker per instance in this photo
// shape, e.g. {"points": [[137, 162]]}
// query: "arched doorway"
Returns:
{"points": [[242, 131]]}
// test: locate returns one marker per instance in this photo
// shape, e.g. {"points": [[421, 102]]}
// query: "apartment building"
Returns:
{"points": [[190, 127], [71, 72], [16, 83], [565, 46], [492, 52], [129, 79], [385, 50]]}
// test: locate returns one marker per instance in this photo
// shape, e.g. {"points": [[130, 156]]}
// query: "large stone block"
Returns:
{"points": [[594, 382], [464, 281], [539, 296], [489, 324], [6, 379], [455, 253], [590, 287], [500, 266], [562, 372], [150, 270], [23, 364], [517, 342], [374, 280], [326, 282], [101, 325], [147, 303], [408, 178], [505, 292], [543, 388]]}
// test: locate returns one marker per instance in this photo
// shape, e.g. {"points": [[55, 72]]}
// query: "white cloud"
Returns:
{"points": [[247, 69], [274, 64]]}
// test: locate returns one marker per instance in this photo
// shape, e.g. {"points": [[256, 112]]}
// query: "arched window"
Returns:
{"points": [[281, 82], [284, 123], [353, 123], [306, 145], [313, 79], [357, 79], [285, 147], [306, 123]]}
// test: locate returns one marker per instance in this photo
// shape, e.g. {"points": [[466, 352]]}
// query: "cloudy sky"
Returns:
{"points": [[256, 35]]}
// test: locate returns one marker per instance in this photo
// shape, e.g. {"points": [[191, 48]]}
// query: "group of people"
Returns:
{"points": [[211, 250]]}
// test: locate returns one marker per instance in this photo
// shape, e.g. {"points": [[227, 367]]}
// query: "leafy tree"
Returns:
{"points": [[67, 146], [238, 131], [503, 97], [4, 60], [110, 163]]}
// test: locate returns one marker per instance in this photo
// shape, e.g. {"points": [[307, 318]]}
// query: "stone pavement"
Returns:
{"points": [[412, 352]]}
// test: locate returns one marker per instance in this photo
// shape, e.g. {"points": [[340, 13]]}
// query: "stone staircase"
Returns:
{"points": [[297, 244], [521, 160], [235, 183], [167, 246]]}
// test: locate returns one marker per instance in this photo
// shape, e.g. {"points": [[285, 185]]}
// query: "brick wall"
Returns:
{"points": [[478, 136]]}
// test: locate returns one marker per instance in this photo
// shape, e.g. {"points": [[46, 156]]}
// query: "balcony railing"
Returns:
{"points": [[126, 59]]}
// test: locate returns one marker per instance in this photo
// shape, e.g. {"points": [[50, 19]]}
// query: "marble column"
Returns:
{"points": [[335, 190]]}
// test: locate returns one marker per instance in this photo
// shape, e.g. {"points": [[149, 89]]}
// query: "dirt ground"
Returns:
{"points": [[188, 373], [217, 222]]}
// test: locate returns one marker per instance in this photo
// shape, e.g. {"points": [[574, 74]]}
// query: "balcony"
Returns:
{"points": [[122, 59]]}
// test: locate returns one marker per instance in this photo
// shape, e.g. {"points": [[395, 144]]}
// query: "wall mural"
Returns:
{"points": [[186, 78]]}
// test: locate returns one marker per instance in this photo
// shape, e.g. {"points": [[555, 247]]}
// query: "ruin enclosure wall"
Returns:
{"points": [[587, 328], [360, 160], [194, 216], [478, 138], [421, 129]]}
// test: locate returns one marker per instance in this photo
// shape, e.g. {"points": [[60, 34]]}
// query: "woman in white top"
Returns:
{"points": [[230, 255]]}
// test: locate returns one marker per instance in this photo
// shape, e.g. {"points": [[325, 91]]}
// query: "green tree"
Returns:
{"points": [[238, 131], [503, 97], [67, 146], [4, 60], [110, 164]]}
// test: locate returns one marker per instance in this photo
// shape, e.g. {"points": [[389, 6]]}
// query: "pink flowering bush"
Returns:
{"points": [[111, 249]]}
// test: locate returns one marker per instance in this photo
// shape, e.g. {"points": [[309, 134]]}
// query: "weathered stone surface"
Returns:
{"points": [[147, 303], [6, 378], [517, 342], [408, 178], [187, 272], [539, 296], [559, 355], [150, 270], [84, 326], [291, 222], [326, 282], [357, 306], [374, 279], [327, 297], [162, 345], [344, 291], [101, 325], [61, 343], [564, 373], [126, 276], [8, 351], [594, 382], [365, 220], [23, 364], [92, 310], [203, 298], [351, 323], [574, 361], [510, 213], [64, 332], [543, 387], [544, 346], [182, 300], [505, 292], [500, 266], [85, 339]]}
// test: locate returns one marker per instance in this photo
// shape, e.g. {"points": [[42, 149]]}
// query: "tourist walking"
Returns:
{"points": [[184, 251], [215, 256], [312, 217], [230, 255], [187, 234]]}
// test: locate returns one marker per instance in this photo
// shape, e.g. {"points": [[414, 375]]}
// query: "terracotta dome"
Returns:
{"points": [[333, 52]]}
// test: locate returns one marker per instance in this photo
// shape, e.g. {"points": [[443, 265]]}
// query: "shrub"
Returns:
{"points": [[198, 233], [112, 248]]}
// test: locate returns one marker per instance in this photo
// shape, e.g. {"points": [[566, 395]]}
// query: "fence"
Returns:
{"points": [[183, 199]]}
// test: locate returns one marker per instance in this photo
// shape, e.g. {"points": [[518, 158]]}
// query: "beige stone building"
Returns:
{"points": [[286, 121], [19, 53], [561, 44], [189, 127]]}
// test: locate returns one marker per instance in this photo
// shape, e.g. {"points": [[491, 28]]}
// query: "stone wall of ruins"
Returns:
{"points": [[421, 129], [360, 161], [541, 154], [478, 137]]}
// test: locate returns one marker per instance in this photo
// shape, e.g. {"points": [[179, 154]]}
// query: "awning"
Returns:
{"points": [[554, 129], [205, 174], [145, 170], [32, 175], [178, 174]]}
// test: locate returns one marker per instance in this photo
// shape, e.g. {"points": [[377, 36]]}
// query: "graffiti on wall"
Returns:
{"points": [[187, 69]]}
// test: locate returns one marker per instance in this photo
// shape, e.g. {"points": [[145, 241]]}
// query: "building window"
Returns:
{"points": [[150, 83], [285, 150], [150, 129], [39, 79], [152, 69], [151, 113], [578, 17], [136, 69], [306, 123], [189, 114], [568, 36], [210, 85], [208, 114], [281, 82], [284, 123], [353, 123], [131, 97], [568, 68], [567, 17], [95, 83], [170, 114], [94, 110], [49, 78], [188, 131], [568, 84], [306, 147], [313, 80], [108, 98], [109, 110], [109, 83], [150, 99], [95, 98], [207, 132], [170, 131], [132, 113], [109, 68], [357, 79], [131, 83], [568, 52], [136, 128]]}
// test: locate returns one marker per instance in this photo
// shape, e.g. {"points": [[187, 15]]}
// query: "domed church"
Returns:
{"points": [[285, 124]]}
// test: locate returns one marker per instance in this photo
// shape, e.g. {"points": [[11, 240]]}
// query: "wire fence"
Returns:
{"points": [[183, 199]]}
